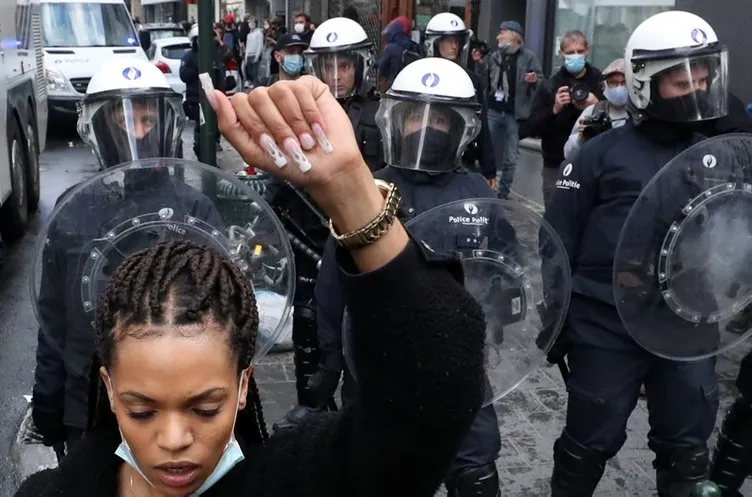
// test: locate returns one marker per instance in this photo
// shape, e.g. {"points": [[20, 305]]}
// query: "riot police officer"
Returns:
{"points": [[676, 75], [129, 112], [341, 55], [446, 36], [427, 119]]}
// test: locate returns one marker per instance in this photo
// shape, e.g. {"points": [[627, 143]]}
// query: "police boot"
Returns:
{"points": [[733, 450], [480, 481], [683, 471], [306, 351], [577, 469]]}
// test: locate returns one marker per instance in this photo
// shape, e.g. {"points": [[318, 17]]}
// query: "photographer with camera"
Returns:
{"points": [[604, 115], [559, 102]]}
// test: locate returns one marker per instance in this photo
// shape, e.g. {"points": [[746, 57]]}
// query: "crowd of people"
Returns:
{"points": [[160, 397]]}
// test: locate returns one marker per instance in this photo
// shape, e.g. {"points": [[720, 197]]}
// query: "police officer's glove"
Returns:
{"points": [[322, 386], [293, 418], [49, 425]]}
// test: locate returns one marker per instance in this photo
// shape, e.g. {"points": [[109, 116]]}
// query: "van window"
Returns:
{"points": [[175, 51], [87, 25]]}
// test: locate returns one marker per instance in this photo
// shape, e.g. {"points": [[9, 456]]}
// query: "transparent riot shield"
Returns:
{"points": [[515, 266], [122, 210], [682, 271]]}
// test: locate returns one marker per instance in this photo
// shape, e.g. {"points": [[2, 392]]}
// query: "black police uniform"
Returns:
{"points": [[362, 113], [473, 470], [732, 461], [588, 210], [66, 337], [308, 231]]}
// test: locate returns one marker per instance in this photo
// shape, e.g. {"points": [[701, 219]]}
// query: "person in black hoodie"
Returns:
{"points": [[559, 102], [676, 73], [196, 427], [189, 75]]}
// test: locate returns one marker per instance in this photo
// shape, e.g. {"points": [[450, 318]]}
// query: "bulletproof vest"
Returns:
{"points": [[362, 114]]}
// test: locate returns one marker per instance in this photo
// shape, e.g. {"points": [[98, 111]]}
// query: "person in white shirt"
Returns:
{"points": [[254, 49], [613, 110]]}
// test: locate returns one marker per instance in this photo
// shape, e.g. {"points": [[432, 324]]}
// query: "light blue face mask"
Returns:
{"points": [[574, 63], [231, 456], [293, 64], [618, 96]]}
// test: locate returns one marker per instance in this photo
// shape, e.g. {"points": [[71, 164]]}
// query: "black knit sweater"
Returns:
{"points": [[419, 349]]}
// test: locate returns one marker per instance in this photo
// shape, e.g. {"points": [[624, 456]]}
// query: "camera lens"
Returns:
{"points": [[579, 92]]}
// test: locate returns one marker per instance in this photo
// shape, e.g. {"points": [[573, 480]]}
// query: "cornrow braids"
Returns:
{"points": [[198, 282]]}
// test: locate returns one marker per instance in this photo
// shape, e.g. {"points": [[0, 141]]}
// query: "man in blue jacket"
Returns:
{"points": [[399, 51]]}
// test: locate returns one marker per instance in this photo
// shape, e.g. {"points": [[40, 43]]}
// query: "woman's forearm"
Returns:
{"points": [[352, 201]]}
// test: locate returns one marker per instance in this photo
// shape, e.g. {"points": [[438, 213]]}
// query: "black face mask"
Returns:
{"points": [[437, 154], [682, 109]]}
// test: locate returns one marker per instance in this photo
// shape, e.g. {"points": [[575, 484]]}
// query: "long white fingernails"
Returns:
{"points": [[321, 137], [208, 86], [293, 150], [273, 150]]}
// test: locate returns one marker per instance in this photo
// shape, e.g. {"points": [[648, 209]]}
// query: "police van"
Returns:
{"points": [[23, 113], [80, 37]]}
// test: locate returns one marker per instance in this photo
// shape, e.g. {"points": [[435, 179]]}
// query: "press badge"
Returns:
{"points": [[500, 95]]}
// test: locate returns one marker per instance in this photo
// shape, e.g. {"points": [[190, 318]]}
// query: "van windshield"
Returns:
{"points": [[87, 25]]}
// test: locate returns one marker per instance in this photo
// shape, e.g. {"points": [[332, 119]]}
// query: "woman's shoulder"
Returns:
{"points": [[39, 484]]}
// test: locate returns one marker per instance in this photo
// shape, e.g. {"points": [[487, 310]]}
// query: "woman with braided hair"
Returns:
{"points": [[175, 410]]}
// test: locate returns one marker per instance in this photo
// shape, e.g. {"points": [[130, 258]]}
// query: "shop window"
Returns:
{"points": [[606, 23]]}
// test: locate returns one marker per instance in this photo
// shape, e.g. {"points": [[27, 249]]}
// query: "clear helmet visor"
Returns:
{"points": [[691, 89], [455, 47], [344, 72], [129, 128], [426, 136]]}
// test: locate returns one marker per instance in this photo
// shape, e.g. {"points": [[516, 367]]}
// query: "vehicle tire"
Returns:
{"points": [[32, 177], [14, 214]]}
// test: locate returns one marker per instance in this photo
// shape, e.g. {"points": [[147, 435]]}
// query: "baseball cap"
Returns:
{"points": [[290, 40], [617, 66]]}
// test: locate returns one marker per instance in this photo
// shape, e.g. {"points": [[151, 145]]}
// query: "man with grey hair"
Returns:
{"points": [[513, 74], [560, 101]]}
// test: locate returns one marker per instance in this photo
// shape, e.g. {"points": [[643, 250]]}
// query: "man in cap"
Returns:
{"points": [[289, 56], [513, 75]]}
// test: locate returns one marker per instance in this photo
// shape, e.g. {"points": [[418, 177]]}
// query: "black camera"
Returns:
{"points": [[597, 122], [579, 92]]}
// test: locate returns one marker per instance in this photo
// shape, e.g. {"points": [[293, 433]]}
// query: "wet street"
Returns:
{"points": [[531, 418]]}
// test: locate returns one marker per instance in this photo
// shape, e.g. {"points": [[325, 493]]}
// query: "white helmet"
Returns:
{"points": [[193, 33], [682, 48], [340, 54], [130, 112], [429, 116], [445, 25]]}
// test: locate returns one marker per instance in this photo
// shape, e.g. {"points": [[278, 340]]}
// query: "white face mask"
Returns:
{"points": [[231, 456], [299, 27]]}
